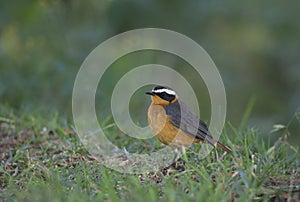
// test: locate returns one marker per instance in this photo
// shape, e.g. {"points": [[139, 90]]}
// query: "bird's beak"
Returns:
{"points": [[150, 93]]}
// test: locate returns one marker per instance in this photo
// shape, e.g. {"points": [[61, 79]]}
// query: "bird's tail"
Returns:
{"points": [[216, 143], [224, 147]]}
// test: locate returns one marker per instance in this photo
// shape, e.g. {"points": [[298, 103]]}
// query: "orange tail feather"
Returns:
{"points": [[224, 147]]}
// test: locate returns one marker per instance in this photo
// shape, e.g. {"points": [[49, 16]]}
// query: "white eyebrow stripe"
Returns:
{"points": [[168, 91]]}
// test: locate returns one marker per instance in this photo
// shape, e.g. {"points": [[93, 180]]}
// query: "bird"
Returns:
{"points": [[174, 123]]}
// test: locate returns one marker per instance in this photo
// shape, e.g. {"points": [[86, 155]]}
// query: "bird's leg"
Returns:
{"points": [[173, 160], [217, 154]]}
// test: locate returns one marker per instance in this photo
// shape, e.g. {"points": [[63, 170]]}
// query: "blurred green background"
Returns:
{"points": [[255, 45]]}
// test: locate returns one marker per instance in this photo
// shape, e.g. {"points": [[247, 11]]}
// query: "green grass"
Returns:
{"points": [[42, 159]]}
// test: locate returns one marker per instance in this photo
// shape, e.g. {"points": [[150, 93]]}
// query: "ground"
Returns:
{"points": [[44, 160]]}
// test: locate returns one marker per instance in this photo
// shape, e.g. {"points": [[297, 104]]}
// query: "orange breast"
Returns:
{"points": [[168, 134]]}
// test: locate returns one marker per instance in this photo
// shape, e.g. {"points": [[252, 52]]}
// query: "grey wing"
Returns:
{"points": [[182, 117]]}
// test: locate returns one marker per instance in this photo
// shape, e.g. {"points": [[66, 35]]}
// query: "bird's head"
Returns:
{"points": [[162, 95]]}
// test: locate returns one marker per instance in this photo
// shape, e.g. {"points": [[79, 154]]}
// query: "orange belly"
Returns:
{"points": [[168, 134]]}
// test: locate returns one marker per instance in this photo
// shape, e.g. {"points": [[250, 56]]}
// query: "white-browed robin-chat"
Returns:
{"points": [[174, 124]]}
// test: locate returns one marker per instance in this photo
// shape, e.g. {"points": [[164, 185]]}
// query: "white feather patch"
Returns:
{"points": [[168, 91]]}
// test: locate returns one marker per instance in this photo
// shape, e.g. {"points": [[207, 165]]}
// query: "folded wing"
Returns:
{"points": [[182, 117]]}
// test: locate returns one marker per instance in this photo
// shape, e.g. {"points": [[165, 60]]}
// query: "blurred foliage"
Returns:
{"points": [[254, 44]]}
